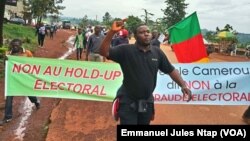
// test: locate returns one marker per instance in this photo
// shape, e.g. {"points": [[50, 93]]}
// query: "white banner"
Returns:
{"points": [[223, 83]]}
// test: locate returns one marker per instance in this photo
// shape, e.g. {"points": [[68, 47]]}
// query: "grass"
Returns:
{"points": [[25, 33], [12, 31]]}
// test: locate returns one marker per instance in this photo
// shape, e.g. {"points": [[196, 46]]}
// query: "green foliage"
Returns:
{"points": [[25, 33], [241, 46], [160, 25], [107, 19], [84, 22], [175, 11], [210, 36], [228, 27], [242, 38], [12, 31], [2, 56], [3, 50], [40, 8], [132, 22], [54, 18]]}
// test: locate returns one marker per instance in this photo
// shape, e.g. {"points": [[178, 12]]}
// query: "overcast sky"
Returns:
{"points": [[211, 13]]}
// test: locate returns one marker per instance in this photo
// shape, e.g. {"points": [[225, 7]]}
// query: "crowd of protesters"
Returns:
{"points": [[99, 43], [43, 30]]}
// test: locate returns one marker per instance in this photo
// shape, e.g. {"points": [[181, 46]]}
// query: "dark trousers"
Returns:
{"points": [[8, 105], [129, 114], [79, 53], [247, 113], [41, 39], [51, 35]]}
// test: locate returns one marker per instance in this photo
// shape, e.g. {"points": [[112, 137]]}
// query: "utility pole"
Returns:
{"points": [[146, 15]]}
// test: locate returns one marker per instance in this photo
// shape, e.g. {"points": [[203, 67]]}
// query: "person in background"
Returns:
{"points": [[79, 44], [93, 45], [247, 51], [121, 39], [51, 31], [155, 41], [17, 50], [41, 32], [88, 33], [231, 48], [139, 63]]}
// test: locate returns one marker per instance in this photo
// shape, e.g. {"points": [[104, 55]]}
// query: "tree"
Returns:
{"points": [[2, 9], [160, 25], [217, 29], [175, 11], [211, 36], [116, 19], [228, 27], [84, 22], [37, 8], [229, 38], [54, 18], [107, 19], [94, 22], [132, 22], [27, 15], [40, 8]]}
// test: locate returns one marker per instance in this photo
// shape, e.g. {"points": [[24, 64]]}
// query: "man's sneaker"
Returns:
{"points": [[2, 122], [37, 105]]}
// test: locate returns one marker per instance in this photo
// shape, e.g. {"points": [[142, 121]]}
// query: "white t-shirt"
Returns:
{"points": [[42, 30], [87, 35]]}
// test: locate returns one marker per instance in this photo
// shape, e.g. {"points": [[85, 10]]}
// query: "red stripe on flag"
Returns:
{"points": [[190, 50]]}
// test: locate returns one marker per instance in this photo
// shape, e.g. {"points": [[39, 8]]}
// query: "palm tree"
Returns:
{"points": [[228, 27]]}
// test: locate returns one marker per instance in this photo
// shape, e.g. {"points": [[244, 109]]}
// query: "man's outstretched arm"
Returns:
{"points": [[116, 26], [104, 50], [175, 75]]}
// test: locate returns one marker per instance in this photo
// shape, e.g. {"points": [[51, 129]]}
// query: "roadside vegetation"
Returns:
{"points": [[11, 31]]}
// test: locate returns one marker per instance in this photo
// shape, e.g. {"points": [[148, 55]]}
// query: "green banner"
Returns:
{"points": [[69, 79]]}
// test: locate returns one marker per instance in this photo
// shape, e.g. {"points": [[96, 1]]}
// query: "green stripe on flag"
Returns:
{"points": [[185, 29]]}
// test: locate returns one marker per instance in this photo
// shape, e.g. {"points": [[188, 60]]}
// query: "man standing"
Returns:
{"points": [[140, 63], [16, 49], [93, 45], [155, 41], [41, 32], [79, 44], [122, 38]]}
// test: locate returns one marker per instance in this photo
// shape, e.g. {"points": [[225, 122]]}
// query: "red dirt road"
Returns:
{"points": [[76, 120]]}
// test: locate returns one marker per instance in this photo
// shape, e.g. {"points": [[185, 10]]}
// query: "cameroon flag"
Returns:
{"points": [[187, 41]]}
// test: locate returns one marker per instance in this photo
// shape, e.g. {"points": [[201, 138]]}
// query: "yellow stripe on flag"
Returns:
{"points": [[203, 60]]}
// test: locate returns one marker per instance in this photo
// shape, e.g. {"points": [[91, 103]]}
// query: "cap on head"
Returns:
{"points": [[123, 33]]}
